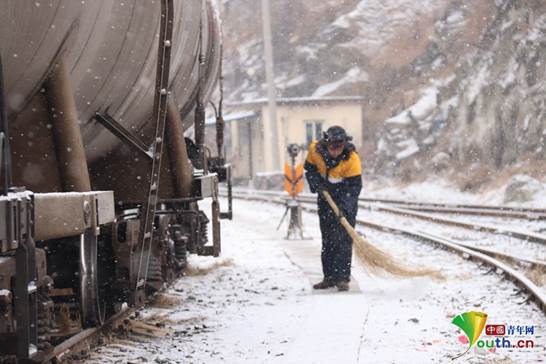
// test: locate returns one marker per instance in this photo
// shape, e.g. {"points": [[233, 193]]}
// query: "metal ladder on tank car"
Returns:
{"points": [[160, 114]]}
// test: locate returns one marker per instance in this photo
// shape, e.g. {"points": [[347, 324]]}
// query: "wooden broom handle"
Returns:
{"points": [[338, 213], [331, 202]]}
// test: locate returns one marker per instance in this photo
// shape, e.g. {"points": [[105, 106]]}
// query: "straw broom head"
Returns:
{"points": [[374, 259]]}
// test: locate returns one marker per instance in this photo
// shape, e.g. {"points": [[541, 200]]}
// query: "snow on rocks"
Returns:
{"points": [[522, 188], [499, 117], [417, 127], [440, 161], [376, 22], [410, 148], [355, 74], [420, 110]]}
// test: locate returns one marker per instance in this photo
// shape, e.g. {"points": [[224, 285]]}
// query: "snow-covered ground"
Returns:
{"points": [[439, 190], [255, 305]]}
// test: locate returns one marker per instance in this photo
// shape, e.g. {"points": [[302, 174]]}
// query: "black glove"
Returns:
{"points": [[321, 185], [316, 181], [317, 184]]}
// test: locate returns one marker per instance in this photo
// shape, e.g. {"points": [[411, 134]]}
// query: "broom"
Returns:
{"points": [[374, 259]]}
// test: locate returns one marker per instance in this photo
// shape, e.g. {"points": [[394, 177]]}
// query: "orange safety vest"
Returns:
{"points": [[293, 182]]}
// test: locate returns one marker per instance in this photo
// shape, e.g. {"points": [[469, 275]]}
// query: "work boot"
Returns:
{"points": [[324, 284], [342, 286]]}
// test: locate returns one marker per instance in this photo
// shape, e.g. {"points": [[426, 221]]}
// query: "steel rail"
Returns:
{"points": [[448, 210], [530, 210], [521, 261], [63, 348], [525, 235], [466, 252], [475, 211], [453, 208]]}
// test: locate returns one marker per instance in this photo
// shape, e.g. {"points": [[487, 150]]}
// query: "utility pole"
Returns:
{"points": [[271, 95]]}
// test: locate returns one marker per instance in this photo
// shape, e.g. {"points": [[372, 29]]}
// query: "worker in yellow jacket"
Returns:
{"points": [[333, 165]]}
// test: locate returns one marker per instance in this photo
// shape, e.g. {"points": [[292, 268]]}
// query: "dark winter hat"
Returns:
{"points": [[336, 135]]}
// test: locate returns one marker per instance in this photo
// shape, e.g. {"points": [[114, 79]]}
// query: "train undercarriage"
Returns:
{"points": [[68, 261], [102, 223]]}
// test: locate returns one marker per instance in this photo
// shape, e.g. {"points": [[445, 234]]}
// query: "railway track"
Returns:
{"points": [[523, 235], [86, 336], [444, 208], [123, 322], [528, 245], [468, 209], [480, 254]]}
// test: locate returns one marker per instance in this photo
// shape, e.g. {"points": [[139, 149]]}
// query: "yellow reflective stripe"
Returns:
{"points": [[353, 168], [316, 159], [345, 168], [311, 153]]}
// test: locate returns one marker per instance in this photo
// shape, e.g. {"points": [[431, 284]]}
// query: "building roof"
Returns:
{"points": [[300, 101], [239, 115], [249, 113]]}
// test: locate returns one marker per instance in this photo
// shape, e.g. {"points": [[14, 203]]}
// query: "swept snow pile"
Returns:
{"points": [[199, 265]]}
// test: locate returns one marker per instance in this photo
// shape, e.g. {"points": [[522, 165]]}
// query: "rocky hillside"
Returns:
{"points": [[329, 47], [500, 118], [445, 82], [489, 114]]}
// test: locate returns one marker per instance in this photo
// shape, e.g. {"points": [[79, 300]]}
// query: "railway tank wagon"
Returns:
{"points": [[94, 211]]}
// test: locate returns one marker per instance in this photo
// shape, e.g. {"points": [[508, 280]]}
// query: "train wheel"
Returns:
{"points": [[137, 298]]}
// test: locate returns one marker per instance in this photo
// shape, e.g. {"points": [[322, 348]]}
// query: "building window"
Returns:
{"points": [[313, 130]]}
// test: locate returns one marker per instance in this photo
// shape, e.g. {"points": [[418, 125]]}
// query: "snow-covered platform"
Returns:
{"points": [[305, 254], [255, 304]]}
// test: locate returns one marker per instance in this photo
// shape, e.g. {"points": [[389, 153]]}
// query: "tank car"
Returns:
{"points": [[100, 188]]}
